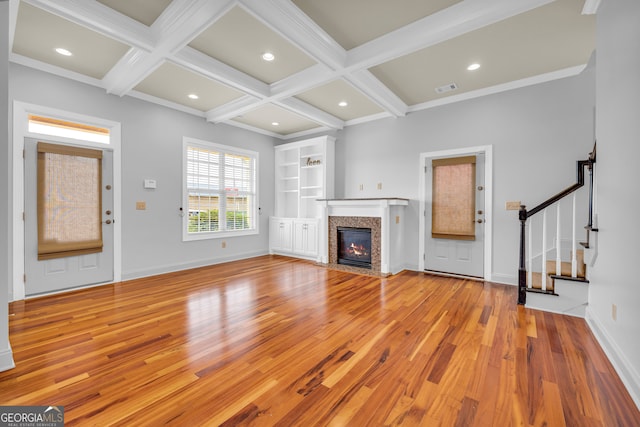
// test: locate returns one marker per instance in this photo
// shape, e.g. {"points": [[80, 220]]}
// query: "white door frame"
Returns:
{"points": [[21, 113], [488, 198]]}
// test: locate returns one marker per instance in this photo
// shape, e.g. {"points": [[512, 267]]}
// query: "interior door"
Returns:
{"points": [[45, 276], [462, 256]]}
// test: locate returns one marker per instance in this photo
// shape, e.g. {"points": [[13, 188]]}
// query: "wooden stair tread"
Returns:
{"points": [[565, 269], [565, 277]]}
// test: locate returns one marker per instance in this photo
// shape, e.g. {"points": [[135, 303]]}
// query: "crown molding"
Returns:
{"points": [[516, 84], [53, 69]]}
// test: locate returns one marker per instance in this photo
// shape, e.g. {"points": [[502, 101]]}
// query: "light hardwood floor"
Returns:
{"points": [[278, 341]]}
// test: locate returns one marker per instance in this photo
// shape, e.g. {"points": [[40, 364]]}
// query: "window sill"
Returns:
{"points": [[217, 235]]}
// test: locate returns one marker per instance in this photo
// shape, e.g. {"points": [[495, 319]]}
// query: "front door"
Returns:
{"points": [[59, 273], [454, 242]]}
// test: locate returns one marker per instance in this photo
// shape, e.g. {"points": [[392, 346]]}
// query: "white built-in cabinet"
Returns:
{"points": [[304, 173]]}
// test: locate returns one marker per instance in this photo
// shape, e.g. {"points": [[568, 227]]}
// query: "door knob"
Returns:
{"points": [[480, 221], [108, 222], [108, 212]]}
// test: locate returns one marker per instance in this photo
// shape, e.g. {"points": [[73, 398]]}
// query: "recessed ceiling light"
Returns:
{"points": [[275, 124], [343, 103], [193, 96], [473, 66], [268, 56], [63, 51]]}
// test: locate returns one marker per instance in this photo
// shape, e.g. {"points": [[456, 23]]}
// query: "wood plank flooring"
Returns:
{"points": [[274, 341]]}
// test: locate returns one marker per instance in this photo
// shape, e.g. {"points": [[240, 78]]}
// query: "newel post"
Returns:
{"points": [[522, 272]]}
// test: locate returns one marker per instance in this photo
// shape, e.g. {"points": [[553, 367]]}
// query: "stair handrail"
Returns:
{"points": [[524, 214]]}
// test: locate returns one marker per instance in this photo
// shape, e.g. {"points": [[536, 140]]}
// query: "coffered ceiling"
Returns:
{"points": [[336, 62]]}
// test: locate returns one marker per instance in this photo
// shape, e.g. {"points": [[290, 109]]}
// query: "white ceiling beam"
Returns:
{"points": [[99, 18], [181, 21], [302, 81], [234, 108], [207, 66], [248, 103], [449, 23], [369, 84], [283, 17], [310, 112]]}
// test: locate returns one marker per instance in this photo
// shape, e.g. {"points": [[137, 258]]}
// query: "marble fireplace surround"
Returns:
{"points": [[385, 218]]}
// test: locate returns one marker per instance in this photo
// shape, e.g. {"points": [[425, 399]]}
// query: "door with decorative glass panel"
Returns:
{"points": [[454, 240], [68, 216]]}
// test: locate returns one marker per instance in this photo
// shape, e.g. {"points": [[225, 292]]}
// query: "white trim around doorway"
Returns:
{"points": [[488, 205], [21, 111]]}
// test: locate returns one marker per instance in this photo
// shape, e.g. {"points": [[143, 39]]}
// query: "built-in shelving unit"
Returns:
{"points": [[304, 174]]}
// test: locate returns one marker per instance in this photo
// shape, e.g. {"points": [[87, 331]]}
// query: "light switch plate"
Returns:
{"points": [[150, 183]]}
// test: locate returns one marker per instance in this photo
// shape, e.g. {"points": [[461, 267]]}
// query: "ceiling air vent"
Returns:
{"points": [[446, 88]]}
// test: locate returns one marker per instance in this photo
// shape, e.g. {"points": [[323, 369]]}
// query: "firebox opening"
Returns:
{"points": [[354, 246]]}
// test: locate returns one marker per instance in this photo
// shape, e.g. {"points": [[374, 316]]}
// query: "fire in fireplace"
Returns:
{"points": [[354, 247]]}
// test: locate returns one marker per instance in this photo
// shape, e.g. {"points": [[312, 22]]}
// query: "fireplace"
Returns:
{"points": [[354, 246]]}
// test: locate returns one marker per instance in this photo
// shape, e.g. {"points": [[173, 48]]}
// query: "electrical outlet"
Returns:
{"points": [[361, 187], [141, 206], [224, 244], [397, 219], [614, 312], [512, 206], [379, 186]]}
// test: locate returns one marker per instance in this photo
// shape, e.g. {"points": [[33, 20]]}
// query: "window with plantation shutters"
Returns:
{"points": [[69, 201], [220, 190], [454, 198]]}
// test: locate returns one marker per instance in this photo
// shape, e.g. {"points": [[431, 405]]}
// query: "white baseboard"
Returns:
{"points": [[6, 360], [137, 274], [572, 299], [628, 375], [505, 279]]}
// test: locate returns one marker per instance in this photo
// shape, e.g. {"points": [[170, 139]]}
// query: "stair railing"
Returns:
{"points": [[524, 274]]}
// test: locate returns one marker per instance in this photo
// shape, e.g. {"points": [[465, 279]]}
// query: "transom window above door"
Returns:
{"points": [[67, 129]]}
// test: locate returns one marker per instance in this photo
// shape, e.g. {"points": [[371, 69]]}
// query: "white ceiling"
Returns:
{"points": [[384, 58]]}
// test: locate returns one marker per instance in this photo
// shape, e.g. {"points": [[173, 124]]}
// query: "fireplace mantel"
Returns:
{"points": [[391, 214]]}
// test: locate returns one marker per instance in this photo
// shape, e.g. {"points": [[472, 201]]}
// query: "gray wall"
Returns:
{"points": [[6, 360], [537, 133], [614, 278], [152, 148]]}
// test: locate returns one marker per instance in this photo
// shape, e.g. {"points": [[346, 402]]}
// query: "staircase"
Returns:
{"points": [[564, 293], [553, 277]]}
